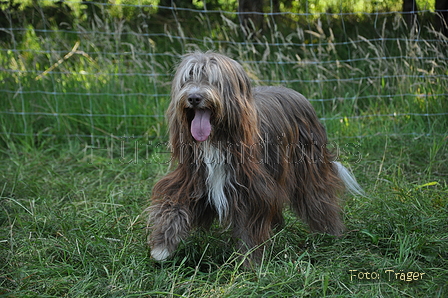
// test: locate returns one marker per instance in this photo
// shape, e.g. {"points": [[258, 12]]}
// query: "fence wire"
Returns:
{"points": [[108, 74]]}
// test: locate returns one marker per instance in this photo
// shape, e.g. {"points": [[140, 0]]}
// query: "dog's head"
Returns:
{"points": [[211, 96]]}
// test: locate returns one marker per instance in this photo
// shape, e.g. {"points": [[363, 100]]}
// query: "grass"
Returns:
{"points": [[73, 227], [82, 146]]}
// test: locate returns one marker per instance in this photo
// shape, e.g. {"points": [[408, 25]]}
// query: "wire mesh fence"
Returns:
{"points": [[92, 70]]}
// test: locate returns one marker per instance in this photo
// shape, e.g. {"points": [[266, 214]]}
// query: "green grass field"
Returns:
{"points": [[82, 146]]}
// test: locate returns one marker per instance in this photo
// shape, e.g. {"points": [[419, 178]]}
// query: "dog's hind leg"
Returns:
{"points": [[316, 198], [319, 204], [321, 211]]}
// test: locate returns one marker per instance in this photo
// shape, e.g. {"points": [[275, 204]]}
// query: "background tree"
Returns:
{"points": [[410, 10], [249, 20], [442, 16]]}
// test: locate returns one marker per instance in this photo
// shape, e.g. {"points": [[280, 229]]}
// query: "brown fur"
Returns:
{"points": [[273, 151]]}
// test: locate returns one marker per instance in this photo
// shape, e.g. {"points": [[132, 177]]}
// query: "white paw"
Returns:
{"points": [[159, 253]]}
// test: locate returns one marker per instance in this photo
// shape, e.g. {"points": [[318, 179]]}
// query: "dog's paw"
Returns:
{"points": [[159, 253]]}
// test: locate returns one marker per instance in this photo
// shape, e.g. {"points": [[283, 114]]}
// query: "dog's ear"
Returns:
{"points": [[239, 117], [234, 81]]}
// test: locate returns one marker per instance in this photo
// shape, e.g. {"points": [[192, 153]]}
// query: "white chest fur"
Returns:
{"points": [[217, 179]]}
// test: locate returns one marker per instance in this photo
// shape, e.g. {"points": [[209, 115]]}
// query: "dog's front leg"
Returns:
{"points": [[251, 237], [169, 223]]}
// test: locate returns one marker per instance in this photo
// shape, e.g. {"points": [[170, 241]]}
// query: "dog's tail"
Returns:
{"points": [[349, 180]]}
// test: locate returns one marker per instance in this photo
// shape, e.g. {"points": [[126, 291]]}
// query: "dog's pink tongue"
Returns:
{"points": [[200, 126]]}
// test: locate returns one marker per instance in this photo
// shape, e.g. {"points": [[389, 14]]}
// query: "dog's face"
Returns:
{"points": [[209, 94]]}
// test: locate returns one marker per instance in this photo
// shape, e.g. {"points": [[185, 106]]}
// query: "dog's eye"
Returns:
{"points": [[185, 79]]}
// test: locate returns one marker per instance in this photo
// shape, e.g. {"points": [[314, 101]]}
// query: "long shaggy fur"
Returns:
{"points": [[242, 155]]}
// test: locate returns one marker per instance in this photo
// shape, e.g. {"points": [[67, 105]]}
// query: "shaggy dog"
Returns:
{"points": [[242, 155]]}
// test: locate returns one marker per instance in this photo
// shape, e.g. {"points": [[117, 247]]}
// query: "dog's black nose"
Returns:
{"points": [[194, 99]]}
